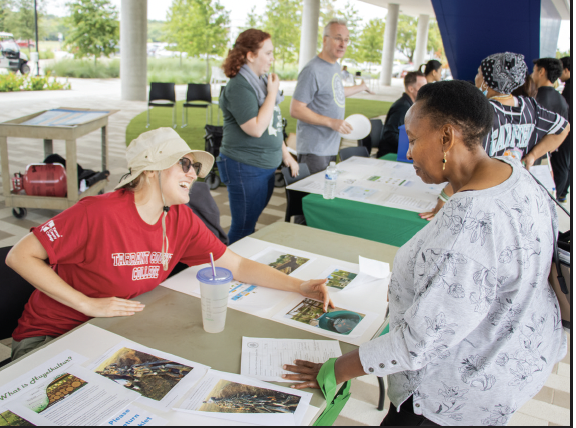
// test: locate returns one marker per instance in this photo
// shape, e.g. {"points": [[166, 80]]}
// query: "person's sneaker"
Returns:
{"points": [[561, 199]]}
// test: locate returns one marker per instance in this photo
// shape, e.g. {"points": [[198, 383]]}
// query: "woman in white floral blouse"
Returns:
{"points": [[475, 328]]}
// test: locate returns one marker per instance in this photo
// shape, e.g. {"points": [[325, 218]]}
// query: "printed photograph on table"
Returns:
{"points": [[9, 419], [281, 260], [340, 279], [56, 391], [146, 374], [232, 397], [336, 320]]}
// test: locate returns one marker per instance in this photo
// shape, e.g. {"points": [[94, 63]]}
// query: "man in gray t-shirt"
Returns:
{"points": [[319, 101]]}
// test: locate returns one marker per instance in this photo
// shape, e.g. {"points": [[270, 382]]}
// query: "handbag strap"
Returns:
{"points": [[560, 276]]}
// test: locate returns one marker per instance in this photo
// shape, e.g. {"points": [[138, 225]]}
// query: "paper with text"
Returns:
{"points": [[243, 399], [160, 379], [263, 358], [72, 396]]}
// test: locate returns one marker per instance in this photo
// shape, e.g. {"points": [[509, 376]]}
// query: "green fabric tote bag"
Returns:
{"points": [[335, 399]]}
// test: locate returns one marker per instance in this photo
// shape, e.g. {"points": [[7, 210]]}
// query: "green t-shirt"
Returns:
{"points": [[239, 104]]}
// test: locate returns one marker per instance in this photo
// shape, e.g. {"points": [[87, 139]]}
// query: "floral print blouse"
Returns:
{"points": [[475, 327]]}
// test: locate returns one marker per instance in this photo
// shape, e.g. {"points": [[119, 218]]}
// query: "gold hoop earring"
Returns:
{"points": [[444, 162]]}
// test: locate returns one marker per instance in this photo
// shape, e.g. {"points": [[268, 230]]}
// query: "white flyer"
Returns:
{"points": [[134, 416], [72, 396], [243, 399], [337, 323], [263, 358], [160, 379], [14, 389]]}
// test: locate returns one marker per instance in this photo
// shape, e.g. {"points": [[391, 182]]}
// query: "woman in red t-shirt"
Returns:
{"points": [[108, 249]]}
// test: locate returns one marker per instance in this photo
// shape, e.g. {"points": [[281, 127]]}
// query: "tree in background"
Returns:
{"points": [[253, 20], [406, 38], [435, 44], [51, 26], [370, 42], [155, 30], [327, 12], [198, 27], [282, 20], [21, 22], [351, 15], [4, 12], [94, 28]]}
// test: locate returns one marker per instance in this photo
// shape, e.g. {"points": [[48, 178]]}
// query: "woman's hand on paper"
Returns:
{"points": [[430, 214], [306, 372], [316, 289], [110, 307]]}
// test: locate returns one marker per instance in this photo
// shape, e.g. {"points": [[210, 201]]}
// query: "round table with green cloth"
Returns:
{"points": [[390, 226]]}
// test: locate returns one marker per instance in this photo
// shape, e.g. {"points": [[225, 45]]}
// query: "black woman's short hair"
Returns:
{"points": [[457, 103], [552, 66]]}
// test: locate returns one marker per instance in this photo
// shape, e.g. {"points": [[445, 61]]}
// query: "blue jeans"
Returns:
{"points": [[249, 191]]}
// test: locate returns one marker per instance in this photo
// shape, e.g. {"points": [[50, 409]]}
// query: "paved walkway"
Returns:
{"points": [[550, 407]]}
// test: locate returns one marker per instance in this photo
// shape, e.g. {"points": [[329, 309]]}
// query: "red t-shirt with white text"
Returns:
{"points": [[103, 248]]}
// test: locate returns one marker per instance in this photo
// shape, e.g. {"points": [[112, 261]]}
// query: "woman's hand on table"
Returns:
{"points": [[316, 289], [430, 214], [306, 372], [110, 307]]}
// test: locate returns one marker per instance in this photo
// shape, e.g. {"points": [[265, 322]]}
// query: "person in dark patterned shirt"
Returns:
{"points": [[521, 128]]}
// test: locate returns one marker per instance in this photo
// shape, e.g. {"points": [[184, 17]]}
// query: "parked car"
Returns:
{"points": [[10, 56], [26, 43]]}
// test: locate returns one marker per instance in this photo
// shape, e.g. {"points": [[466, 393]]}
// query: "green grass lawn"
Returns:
{"points": [[193, 134]]}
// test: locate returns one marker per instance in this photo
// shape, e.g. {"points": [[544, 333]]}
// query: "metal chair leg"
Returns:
{"points": [[148, 117], [382, 393], [174, 116], [184, 124]]}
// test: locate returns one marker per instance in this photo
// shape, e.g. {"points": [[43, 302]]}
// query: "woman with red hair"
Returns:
{"points": [[252, 144]]}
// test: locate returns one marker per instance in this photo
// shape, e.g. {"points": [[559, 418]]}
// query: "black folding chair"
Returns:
{"points": [[294, 197], [197, 96], [14, 294], [375, 135], [162, 95], [348, 152]]}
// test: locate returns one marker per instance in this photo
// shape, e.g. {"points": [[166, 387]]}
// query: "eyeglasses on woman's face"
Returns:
{"points": [[186, 164]]}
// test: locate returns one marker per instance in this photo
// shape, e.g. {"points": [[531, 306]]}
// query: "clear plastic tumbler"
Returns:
{"points": [[214, 296]]}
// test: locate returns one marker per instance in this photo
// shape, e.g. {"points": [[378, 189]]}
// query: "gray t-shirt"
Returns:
{"points": [[320, 88], [475, 327]]}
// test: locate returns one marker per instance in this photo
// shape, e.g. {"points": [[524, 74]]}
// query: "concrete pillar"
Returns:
{"points": [[421, 40], [309, 34], [133, 38], [389, 46]]}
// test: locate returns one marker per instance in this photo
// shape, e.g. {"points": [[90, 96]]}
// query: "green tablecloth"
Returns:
{"points": [[390, 226]]}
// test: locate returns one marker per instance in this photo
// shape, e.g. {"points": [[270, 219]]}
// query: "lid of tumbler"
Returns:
{"points": [[332, 163], [206, 276]]}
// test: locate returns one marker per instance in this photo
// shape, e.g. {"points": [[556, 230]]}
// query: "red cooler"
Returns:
{"points": [[45, 179]]}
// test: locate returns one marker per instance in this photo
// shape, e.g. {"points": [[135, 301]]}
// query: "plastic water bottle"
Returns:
{"points": [[330, 181]]}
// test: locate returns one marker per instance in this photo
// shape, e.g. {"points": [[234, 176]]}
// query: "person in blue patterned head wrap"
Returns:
{"points": [[503, 72]]}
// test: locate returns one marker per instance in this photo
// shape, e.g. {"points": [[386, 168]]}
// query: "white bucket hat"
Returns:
{"points": [[158, 150]]}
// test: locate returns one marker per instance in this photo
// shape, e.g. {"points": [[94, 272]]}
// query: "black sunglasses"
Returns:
{"points": [[187, 163]]}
